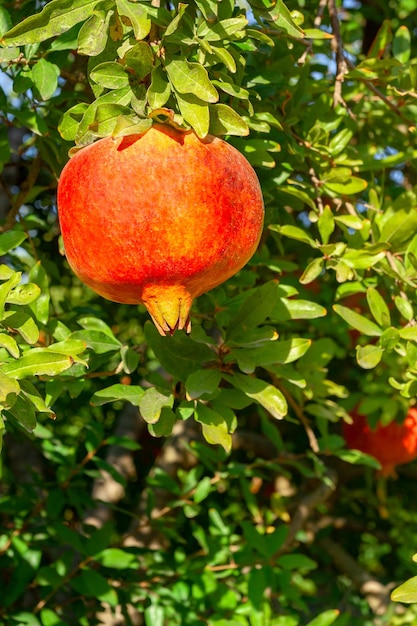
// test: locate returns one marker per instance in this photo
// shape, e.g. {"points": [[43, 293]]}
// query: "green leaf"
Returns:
{"points": [[140, 59], [55, 18], [312, 271], [85, 134], [389, 338], [208, 8], [6, 272], [66, 41], [10, 239], [296, 561], [257, 541], [191, 79], [258, 35], [401, 45], [265, 394], [38, 362], [126, 125], [257, 151], [378, 307], [224, 56], [253, 337], [24, 324], [214, 427], [294, 232], [202, 382], [366, 257], [399, 228], [152, 402], [171, 33], [97, 340], [382, 40], [9, 390], [409, 333], [5, 290], [111, 75], [26, 619], [227, 86], [230, 28], [281, 18], [115, 558], [202, 490], [70, 121], [351, 187], [350, 221], [405, 308], [326, 224], [95, 323], [340, 141], [137, 15], [23, 294], [286, 309], [255, 309], [45, 78], [407, 592], [93, 34], [225, 121], [130, 359], [32, 120], [296, 192], [369, 356], [5, 21], [179, 355], [155, 614], [159, 90], [6, 341], [92, 584], [117, 392], [30, 392], [275, 352], [326, 618], [24, 413], [358, 321], [163, 427], [40, 307], [196, 113], [356, 457]]}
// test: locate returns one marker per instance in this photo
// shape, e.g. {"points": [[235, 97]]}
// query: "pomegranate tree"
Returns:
{"points": [[159, 218]]}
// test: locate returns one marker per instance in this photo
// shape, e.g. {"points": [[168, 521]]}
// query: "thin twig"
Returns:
{"points": [[317, 188], [317, 22], [341, 63], [300, 414]]}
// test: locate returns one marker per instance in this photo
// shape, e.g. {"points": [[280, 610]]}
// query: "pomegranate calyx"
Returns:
{"points": [[169, 307]]}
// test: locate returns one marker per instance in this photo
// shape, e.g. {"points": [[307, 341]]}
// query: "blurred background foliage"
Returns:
{"points": [[204, 479]]}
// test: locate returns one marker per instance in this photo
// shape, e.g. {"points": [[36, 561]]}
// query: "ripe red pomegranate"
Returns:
{"points": [[159, 218], [392, 445]]}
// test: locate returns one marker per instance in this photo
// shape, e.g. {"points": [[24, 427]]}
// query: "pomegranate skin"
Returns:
{"points": [[159, 218], [392, 445]]}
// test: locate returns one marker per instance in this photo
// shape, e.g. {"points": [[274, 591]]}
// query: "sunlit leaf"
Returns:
{"points": [[55, 18]]}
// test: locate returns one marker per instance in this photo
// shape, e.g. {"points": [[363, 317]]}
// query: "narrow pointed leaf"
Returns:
{"points": [[358, 321], [42, 363]]}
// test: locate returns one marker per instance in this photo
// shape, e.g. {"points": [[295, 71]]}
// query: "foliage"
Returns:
{"points": [[321, 99]]}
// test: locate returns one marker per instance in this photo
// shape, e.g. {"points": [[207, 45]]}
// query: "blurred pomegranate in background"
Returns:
{"points": [[392, 445]]}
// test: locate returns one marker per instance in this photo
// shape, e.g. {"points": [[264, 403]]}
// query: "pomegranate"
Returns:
{"points": [[159, 218], [392, 445]]}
